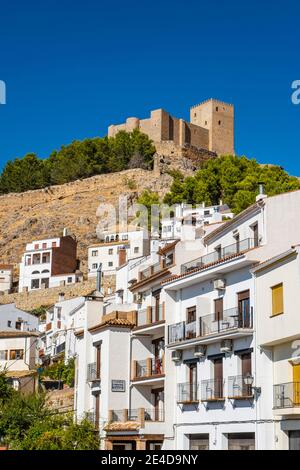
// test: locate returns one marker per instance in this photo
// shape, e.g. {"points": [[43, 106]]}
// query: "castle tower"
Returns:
{"points": [[218, 118]]}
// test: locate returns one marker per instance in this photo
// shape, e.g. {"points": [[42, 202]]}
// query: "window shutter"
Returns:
{"points": [[277, 299]]}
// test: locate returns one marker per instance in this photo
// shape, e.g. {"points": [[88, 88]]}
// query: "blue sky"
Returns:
{"points": [[73, 68]]}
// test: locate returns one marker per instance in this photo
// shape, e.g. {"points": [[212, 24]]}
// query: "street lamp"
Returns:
{"points": [[248, 380]]}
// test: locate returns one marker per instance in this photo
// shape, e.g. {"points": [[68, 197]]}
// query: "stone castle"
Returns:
{"points": [[211, 127]]}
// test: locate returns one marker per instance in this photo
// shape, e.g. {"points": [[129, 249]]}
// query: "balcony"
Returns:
{"points": [[181, 331], [150, 316], [230, 319], [150, 271], [187, 393], [212, 390], [93, 373], [139, 415], [218, 255], [287, 398], [147, 369], [238, 389]]}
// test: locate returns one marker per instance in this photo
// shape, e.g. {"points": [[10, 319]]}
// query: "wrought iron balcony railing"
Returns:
{"points": [[238, 388], [217, 255], [148, 368], [230, 319], [287, 395], [181, 331], [212, 390], [92, 372], [187, 392]]}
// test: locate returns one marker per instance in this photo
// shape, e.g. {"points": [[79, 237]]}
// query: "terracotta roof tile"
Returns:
{"points": [[126, 426], [18, 334]]}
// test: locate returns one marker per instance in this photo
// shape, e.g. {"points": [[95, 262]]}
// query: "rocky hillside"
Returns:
{"points": [[44, 213]]}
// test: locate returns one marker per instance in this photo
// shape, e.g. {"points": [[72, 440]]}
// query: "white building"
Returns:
{"points": [[277, 283], [186, 219], [18, 357], [49, 263], [57, 331], [12, 318], [200, 349], [117, 248], [6, 278]]}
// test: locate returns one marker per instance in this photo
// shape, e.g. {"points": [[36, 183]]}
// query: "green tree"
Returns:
{"points": [[232, 179]]}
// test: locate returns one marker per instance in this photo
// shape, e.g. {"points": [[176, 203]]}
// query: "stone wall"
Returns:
{"points": [[44, 297]]}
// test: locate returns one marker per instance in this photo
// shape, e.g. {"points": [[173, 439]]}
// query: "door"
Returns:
{"points": [[192, 382], [156, 315], [296, 384], [97, 411], [98, 362], [218, 378], [158, 398], [244, 320], [294, 440], [218, 311], [246, 371], [255, 234], [159, 351]]}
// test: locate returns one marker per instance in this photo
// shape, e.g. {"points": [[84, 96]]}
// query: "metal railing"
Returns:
{"points": [[230, 319], [238, 388], [92, 373], [142, 317], [223, 253], [181, 331], [212, 390], [153, 269], [187, 392], [287, 395], [60, 348], [118, 416]]}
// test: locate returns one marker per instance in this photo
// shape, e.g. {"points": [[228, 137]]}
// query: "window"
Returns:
{"points": [[16, 354], [199, 441], [46, 258], [58, 313], [217, 108], [110, 264], [277, 299], [94, 266], [18, 325], [241, 441], [190, 314], [3, 355], [69, 280], [111, 251], [44, 246], [136, 249], [95, 253], [9, 323], [124, 237], [53, 244], [255, 234], [36, 246], [219, 123], [35, 284]]}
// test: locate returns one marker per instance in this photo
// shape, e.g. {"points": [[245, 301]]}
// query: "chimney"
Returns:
{"points": [[99, 278], [122, 256], [65, 232], [261, 192], [61, 296]]}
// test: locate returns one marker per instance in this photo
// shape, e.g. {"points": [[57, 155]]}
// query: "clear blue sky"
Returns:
{"points": [[74, 67]]}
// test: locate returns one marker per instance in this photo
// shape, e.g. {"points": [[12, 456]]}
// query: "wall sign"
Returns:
{"points": [[118, 385]]}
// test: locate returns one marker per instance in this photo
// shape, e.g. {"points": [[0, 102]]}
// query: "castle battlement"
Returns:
{"points": [[211, 127]]}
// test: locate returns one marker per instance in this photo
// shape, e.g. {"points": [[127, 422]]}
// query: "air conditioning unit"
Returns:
{"points": [[219, 284], [200, 351], [176, 356], [226, 346]]}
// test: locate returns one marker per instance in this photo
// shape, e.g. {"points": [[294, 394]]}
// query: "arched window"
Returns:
{"points": [[36, 272], [45, 271]]}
